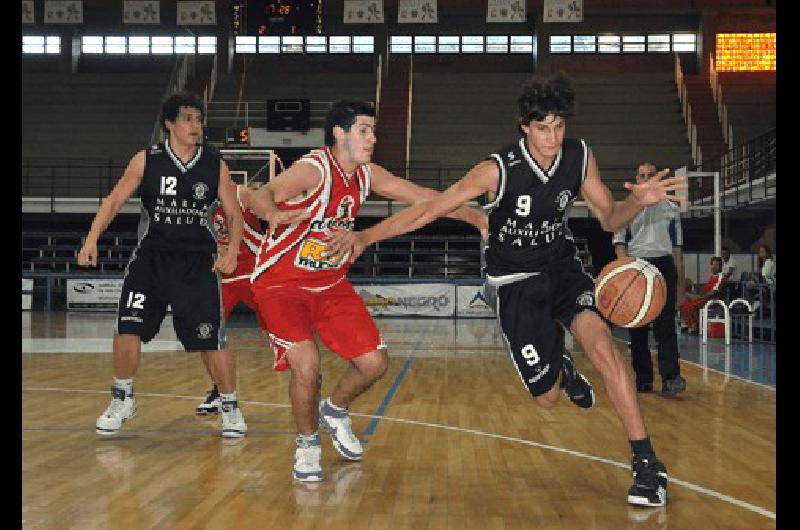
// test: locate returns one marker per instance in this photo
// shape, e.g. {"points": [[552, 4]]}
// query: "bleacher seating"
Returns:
{"points": [[750, 101], [458, 119]]}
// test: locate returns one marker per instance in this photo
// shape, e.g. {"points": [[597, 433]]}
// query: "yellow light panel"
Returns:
{"points": [[745, 52]]}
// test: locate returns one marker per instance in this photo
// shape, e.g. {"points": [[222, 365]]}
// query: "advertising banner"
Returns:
{"points": [[27, 293], [93, 294], [472, 302], [422, 299]]}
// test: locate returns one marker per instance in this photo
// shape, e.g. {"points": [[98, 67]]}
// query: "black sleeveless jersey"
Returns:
{"points": [[177, 200], [528, 217]]}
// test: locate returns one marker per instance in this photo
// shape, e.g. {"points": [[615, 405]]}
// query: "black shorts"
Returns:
{"points": [[529, 312], [184, 280]]}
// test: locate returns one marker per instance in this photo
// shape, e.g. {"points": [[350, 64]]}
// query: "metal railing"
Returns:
{"points": [[747, 172], [686, 111], [254, 113]]}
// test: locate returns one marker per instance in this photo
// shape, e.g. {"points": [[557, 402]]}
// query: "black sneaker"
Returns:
{"points": [[211, 404], [649, 482], [577, 388], [673, 386], [644, 388]]}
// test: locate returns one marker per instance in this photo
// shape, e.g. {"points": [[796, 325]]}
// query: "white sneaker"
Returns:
{"points": [[122, 408], [338, 425], [307, 467], [233, 425]]}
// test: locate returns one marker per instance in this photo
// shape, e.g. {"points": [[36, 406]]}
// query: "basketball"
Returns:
{"points": [[630, 292]]}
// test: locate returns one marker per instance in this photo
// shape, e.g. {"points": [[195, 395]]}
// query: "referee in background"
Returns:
{"points": [[655, 235]]}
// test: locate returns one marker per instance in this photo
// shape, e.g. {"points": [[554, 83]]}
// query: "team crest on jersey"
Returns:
{"points": [[563, 199], [586, 299], [312, 256], [155, 150], [204, 330], [510, 156], [200, 189]]}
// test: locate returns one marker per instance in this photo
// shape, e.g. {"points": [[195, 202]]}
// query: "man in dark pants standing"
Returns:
{"points": [[655, 235]]}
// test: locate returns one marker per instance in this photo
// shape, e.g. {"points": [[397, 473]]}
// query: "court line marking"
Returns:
{"points": [[688, 485], [387, 398], [704, 367]]}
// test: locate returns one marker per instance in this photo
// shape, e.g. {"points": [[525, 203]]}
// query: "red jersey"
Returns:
{"points": [[295, 253], [248, 249]]}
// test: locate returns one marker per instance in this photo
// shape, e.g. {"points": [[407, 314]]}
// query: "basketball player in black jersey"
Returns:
{"points": [[531, 259], [174, 263]]}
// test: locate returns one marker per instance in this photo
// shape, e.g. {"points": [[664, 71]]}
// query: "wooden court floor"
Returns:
{"points": [[451, 441]]}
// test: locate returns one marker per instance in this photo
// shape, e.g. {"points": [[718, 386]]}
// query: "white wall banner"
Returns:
{"points": [[563, 11], [422, 299], [506, 11], [27, 293], [417, 11], [196, 13], [27, 12], [363, 11], [93, 294], [472, 302], [63, 12], [141, 12]]}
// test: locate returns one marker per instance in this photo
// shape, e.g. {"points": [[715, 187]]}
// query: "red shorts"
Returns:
{"points": [[239, 291], [337, 314]]}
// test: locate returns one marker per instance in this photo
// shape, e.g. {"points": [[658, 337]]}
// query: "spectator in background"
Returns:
{"points": [[655, 235], [728, 264], [766, 264], [690, 309]]}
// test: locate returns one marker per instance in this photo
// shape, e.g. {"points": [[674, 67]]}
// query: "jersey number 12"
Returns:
{"points": [[168, 185]]}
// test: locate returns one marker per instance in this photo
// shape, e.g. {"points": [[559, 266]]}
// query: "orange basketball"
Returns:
{"points": [[630, 292]]}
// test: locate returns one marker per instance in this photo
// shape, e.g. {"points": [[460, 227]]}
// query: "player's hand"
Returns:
{"points": [[286, 217], [226, 263], [656, 189], [87, 257], [342, 241]]}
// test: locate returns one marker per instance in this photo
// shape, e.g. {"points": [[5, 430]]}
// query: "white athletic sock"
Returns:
{"points": [[124, 384], [227, 397]]}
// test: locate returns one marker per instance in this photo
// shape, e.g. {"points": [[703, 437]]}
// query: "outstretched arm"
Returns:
{"points": [[614, 215], [300, 178], [480, 179], [407, 192], [111, 206]]}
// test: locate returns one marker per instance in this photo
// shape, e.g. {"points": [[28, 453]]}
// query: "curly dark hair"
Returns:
{"points": [[173, 103], [545, 95]]}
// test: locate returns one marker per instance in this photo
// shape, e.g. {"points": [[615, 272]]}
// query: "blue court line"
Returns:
{"points": [[379, 413]]}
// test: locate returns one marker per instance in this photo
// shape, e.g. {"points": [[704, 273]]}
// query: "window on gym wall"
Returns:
{"points": [[145, 45], [466, 44], [613, 43], [41, 44]]}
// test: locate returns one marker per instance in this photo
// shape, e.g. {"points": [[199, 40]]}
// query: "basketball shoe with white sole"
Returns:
{"points": [[336, 422], [121, 409], [233, 425], [649, 482], [211, 404], [307, 455]]}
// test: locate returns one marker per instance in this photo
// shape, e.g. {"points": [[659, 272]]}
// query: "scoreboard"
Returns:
{"points": [[277, 17]]}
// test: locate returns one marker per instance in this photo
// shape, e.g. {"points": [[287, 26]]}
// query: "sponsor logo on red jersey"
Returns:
{"points": [[297, 252]]}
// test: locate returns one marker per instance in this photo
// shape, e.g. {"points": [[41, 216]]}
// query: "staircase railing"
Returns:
{"points": [[686, 110]]}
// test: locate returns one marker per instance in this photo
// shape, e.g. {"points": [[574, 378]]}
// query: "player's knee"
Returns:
{"points": [[374, 364]]}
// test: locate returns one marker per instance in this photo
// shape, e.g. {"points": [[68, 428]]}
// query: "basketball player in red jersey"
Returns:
{"points": [[236, 285], [532, 263], [300, 287]]}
